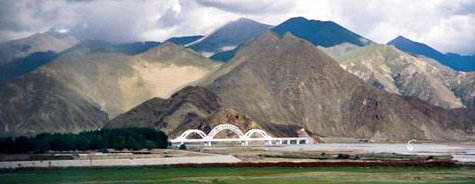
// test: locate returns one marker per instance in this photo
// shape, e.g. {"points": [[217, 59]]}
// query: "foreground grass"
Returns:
{"points": [[244, 175]]}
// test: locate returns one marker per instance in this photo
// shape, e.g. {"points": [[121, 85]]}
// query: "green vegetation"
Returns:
{"points": [[350, 175], [130, 138]]}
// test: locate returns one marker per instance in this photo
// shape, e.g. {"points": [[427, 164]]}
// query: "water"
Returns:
{"points": [[460, 152]]}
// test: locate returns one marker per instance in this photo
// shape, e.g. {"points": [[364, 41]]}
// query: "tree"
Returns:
{"points": [[82, 143], [132, 144], [23, 145], [119, 143], [150, 144], [97, 143], [131, 138]]}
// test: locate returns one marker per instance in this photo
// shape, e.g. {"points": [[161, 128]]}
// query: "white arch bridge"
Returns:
{"points": [[244, 138]]}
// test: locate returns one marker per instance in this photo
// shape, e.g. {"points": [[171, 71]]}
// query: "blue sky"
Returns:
{"points": [[447, 25]]}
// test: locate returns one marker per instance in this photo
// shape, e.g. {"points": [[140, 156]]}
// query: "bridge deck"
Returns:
{"points": [[269, 140], [244, 138]]}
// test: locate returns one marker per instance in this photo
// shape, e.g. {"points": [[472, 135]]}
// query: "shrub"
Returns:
{"points": [[131, 138]]}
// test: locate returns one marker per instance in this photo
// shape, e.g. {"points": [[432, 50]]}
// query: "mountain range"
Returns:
{"points": [[100, 77], [454, 61], [21, 56], [41, 42], [289, 84], [330, 36], [395, 71], [301, 77]]}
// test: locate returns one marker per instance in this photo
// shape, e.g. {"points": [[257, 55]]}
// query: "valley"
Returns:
{"points": [[233, 91]]}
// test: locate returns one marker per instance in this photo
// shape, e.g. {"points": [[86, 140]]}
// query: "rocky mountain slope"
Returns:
{"points": [[38, 102], [18, 57], [118, 82], [454, 61], [109, 80], [190, 108], [18, 67], [286, 84], [463, 86], [388, 68], [229, 36], [41, 42]]}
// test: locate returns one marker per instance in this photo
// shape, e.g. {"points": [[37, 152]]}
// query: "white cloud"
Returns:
{"points": [[447, 25]]}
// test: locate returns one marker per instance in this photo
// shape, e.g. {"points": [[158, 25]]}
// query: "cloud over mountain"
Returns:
{"points": [[446, 25]]}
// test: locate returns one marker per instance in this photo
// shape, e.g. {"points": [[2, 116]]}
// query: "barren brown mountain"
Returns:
{"points": [[92, 82], [285, 83]]}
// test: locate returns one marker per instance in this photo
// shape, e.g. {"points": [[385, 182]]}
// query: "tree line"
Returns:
{"points": [[118, 139]]}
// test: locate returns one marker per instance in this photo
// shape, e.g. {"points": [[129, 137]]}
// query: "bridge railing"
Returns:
{"points": [[208, 139]]}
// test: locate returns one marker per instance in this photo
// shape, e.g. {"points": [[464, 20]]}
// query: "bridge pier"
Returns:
{"points": [[244, 139]]}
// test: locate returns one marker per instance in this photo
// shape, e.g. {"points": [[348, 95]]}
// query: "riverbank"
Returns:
{"points": [[119, 162], [316, 155]]}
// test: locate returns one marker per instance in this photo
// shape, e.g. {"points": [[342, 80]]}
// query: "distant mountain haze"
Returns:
{"points": [[454, 61], [224, 56], [320, 33], [24, 65], [18, 56], [333, 38], [41, 42], [184, 40], [229, 36]]}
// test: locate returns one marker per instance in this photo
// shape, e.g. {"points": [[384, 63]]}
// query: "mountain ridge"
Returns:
{"points": [[229, 35], [417, 49], [98, 78], [288, 82]]}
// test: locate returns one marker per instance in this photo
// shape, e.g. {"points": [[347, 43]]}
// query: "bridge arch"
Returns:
{"points": [[222, 127], [185, 134], [245, 139], [261, 132]]}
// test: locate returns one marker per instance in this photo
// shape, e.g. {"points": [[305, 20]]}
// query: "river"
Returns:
{"points": [[460, 152]]}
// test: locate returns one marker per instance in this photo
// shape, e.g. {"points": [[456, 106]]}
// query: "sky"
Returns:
{"points": [[446, 25]]}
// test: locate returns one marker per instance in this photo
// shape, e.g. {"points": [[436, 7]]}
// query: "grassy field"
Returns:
{"points": [[243, 175]]}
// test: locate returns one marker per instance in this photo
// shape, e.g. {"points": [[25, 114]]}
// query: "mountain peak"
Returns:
{"points": [[244, 19], [401, 39], [231, 34], [298, 19], [320, 33]]}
